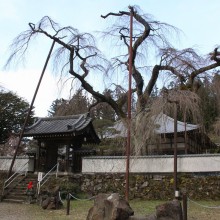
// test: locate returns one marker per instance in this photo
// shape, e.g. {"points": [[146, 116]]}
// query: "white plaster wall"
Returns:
{"points": [[152, 164], [21, 163]]}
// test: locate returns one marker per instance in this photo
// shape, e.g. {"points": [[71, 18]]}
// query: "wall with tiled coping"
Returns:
{"points": [[152, 164], [24, 163], [151, 176]]}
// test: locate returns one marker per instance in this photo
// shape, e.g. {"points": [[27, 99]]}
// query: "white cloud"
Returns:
{"points": [[24, 83]]}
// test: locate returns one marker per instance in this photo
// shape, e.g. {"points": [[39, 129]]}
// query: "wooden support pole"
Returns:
{"points": [[128, 148], [30, 109]]}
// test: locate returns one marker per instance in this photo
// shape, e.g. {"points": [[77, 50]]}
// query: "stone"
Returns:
{"points": [[50, 199], [97, 211], [45, 202], [77, 176], [145, 184], [53, 191], [110, 207], [169, 211], [52, 203], [98, 187]]}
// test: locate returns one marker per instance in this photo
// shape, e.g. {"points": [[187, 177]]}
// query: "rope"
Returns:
{"points": [[82, 199], [204, 206]]}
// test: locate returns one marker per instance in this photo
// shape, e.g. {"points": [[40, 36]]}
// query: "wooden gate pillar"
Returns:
{"points": [[67, 158], [37, 158]]}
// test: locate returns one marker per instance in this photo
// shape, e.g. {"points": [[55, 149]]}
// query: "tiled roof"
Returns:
{"points": [[61, 124], [163, 123], [119, 130]]}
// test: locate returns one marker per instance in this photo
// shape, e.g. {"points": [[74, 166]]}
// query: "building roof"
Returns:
{"points": [[119, 130], [163, 123], [71, 125]]}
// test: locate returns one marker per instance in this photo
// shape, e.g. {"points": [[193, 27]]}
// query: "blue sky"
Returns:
{"points": [[198, 19]]}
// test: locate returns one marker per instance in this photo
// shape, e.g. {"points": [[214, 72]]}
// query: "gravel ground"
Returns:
{"points": [[14, 211], [11, 211]]}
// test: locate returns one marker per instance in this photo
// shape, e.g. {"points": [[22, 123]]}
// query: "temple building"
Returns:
{"points": [[191, 139], [60, 139]]}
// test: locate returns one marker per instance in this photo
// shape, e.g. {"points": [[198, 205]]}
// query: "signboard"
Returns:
{"points": [[40, 176]]}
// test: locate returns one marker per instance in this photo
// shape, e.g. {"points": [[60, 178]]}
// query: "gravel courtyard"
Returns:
{"points": [[10, 211]]}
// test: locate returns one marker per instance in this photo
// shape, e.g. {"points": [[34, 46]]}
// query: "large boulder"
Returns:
{"points": [[50, 199], [169, 211], [110, 207]]}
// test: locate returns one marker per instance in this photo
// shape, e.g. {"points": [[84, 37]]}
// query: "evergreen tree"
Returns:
{"points": [[78, 104], [13, 110], [208, 103]]}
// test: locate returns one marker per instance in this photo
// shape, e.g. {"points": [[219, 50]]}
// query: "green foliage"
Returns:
{"points": [[115, 146], [13, 110], [54, 106], [209, 104], [78, 104], [67, 186], [103, 110], [101, 126]]}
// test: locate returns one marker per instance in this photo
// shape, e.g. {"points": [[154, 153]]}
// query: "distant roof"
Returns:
{"points": [[62, 125], [164, 125], [119, 130]]}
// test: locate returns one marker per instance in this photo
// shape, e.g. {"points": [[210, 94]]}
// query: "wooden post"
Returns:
{"points": [[184, 205], [37, 157], [175, 151], [67, 158], [68, 204]]}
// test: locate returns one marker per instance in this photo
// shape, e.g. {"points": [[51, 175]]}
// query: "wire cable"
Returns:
{"points": [[204, 206], [82, 199]]}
